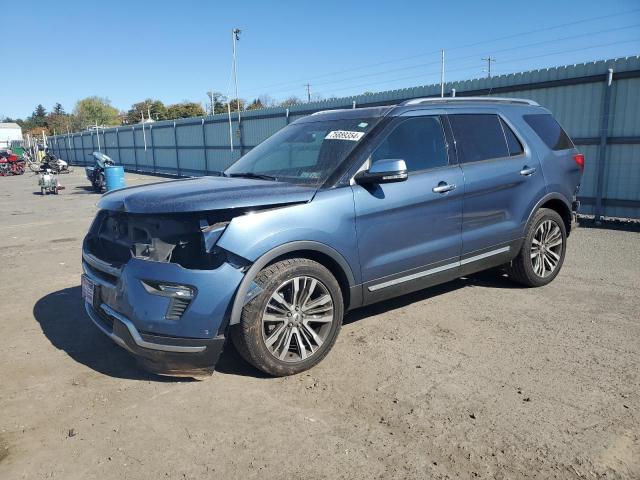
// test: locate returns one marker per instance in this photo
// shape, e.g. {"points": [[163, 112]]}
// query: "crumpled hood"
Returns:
{"points": [[204, 193]]}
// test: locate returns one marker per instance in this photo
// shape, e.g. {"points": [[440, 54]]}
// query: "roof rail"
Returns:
{"points": [[521, 101]]}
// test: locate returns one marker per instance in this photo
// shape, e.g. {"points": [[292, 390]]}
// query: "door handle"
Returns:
{"points": [[444, 187], [527, 171]]}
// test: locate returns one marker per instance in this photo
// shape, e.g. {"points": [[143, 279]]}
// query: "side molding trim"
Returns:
{"points": [[442, 268]]}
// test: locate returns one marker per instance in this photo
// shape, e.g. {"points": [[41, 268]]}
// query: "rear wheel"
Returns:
{"points": [[293, 323], [542, 254]]}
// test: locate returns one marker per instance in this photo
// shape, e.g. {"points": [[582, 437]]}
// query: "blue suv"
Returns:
{"points": [[335, 211]]}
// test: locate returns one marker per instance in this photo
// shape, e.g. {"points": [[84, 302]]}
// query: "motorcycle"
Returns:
{"points": [[49, 183], [56, 164], [33, 165], [10, 164], [95, 174]]}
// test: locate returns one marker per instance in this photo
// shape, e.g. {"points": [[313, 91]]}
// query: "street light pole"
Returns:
{"points": [[442, 74], [235, 36]]}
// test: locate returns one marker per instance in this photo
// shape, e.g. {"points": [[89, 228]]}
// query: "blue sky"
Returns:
{"points": [[177, 50]]}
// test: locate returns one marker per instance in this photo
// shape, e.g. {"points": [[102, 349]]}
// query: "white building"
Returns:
{"points": [[8, 133]]}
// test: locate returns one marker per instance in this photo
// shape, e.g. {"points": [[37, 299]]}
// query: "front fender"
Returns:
{"points": [[325, 225]]}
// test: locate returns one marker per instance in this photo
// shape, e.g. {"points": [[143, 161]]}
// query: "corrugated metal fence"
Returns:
{"points": [[600, 111]]}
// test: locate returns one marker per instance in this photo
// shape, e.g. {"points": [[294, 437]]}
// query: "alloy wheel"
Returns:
{"points": [[297, 319], [546, 248]]}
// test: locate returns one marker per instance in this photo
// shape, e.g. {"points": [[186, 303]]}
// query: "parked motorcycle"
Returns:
{"points": [[49, 183], [95, 174], [33, 165], [10, 164], [56, 164]]}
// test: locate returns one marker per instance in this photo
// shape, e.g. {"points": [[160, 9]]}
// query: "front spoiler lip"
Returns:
{"points": [[166, 355], [134, 333]]}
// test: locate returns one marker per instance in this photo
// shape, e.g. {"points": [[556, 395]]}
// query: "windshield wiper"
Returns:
{"points": [[253, 175]]}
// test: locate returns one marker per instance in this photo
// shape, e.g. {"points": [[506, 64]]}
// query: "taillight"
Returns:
{"points": [[579, 159]]}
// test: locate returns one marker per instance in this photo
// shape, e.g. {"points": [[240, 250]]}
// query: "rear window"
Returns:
{"points": [[549, 131], [478, 137]]}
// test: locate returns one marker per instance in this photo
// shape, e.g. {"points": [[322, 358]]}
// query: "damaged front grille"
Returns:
{"points": [[185, 239]]}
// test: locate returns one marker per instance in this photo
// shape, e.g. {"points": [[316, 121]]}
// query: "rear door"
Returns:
{"points": [[409, 234], [503, 180]]}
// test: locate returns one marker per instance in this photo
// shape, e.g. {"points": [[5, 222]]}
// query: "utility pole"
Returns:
{"points": [[235, 36], [442, 74], [489, 59], [212, 101], [308, 85], [98, 136]]}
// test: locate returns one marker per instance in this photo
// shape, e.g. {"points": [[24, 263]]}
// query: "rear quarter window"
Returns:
{"points": [[549, 131]]}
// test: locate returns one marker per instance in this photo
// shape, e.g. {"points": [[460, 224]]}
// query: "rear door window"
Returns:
{"points": [[549, 131], [419, 141], [479, 136]]}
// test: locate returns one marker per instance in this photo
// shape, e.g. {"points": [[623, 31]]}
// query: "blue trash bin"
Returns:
{"points": [[114, 177]]}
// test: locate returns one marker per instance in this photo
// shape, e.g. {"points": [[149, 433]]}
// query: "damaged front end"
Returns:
{"points": [[158, 285], [187, 240]]}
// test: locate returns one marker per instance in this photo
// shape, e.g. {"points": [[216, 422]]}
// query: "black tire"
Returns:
{"points": [[249, 337], [522, 269], [98, 184]]}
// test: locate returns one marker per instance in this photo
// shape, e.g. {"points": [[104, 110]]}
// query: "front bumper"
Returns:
{"points": [[159, 354], [138, 320]]}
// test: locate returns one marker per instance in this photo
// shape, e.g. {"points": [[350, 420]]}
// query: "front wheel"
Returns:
{"points": [[293, 323], [98, 183], [542, 254]]}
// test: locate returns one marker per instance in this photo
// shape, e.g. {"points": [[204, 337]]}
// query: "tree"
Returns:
{"points": [[216, 99], [39, 116], [185, 110], [59, 123], [149, 106], [58, 109], [255, 105], [291, 101], [92, 110], [234, 104]]}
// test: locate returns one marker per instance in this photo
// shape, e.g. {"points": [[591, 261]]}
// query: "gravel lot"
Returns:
{"points": [[477, 378]]}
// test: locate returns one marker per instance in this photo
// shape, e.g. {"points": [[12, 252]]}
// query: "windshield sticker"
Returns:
{"points": [[344, 135], [363, 125]]}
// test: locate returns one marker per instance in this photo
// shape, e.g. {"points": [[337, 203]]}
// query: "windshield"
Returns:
{"points": [[303, 153]]}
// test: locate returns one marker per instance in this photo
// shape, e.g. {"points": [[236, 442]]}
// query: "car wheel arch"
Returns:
{"points": [[556, 202], [320, 252]]}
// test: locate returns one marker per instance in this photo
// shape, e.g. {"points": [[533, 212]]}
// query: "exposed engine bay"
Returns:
{"points": [[186, 239]]}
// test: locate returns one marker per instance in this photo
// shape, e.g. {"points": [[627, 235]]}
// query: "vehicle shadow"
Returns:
{"points": [[489, 279], [63, 320]]}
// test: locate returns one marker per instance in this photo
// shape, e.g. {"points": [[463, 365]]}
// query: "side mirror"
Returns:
{"points": [[383, 171]]}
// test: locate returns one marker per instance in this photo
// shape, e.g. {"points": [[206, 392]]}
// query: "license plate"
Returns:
{"points": [[88, 289]]}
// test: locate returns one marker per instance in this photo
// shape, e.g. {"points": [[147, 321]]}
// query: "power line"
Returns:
{"points": [[582, 48], [455, 59], [507, 37]]}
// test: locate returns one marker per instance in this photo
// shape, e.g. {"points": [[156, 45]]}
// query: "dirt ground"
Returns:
{"points": [[477, 378]]}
